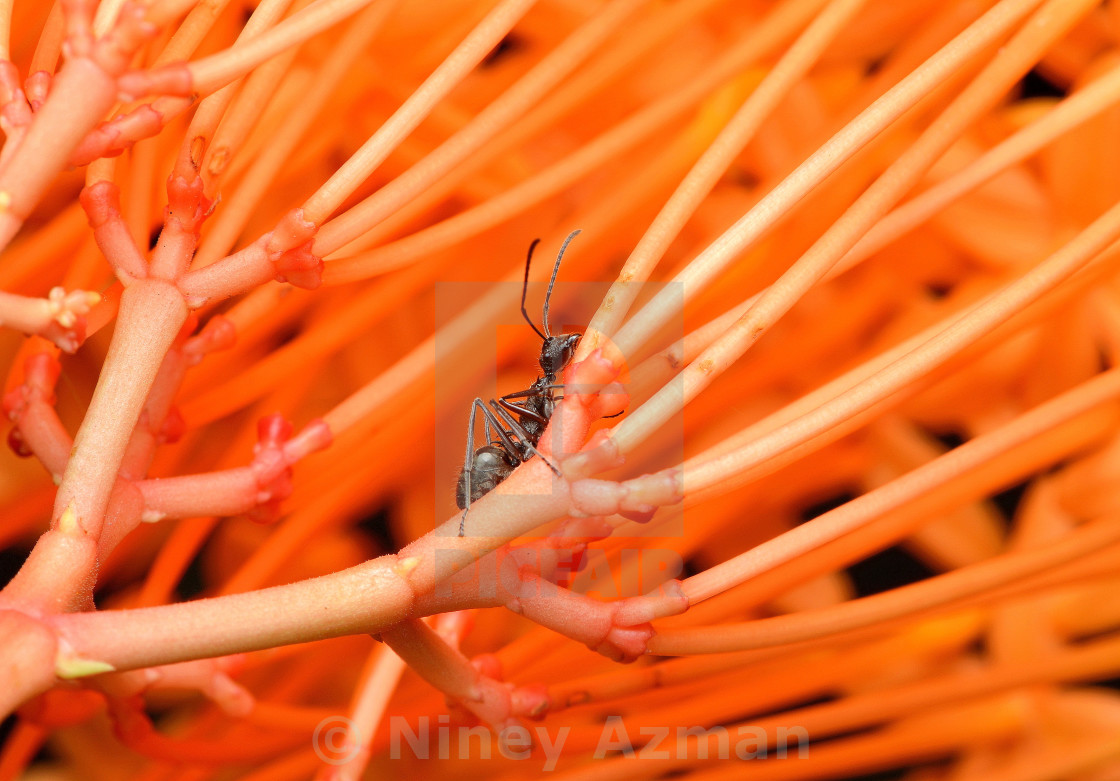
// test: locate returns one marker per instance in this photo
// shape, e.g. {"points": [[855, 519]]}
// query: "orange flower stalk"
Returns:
{"points": [[829, 487]]}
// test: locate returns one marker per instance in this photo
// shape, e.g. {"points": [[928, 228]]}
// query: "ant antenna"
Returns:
{"points": [[555, 271], [525, 288]]}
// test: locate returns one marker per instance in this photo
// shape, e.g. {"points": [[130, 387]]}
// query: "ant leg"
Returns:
{"points": [[492, 420], [528, 392], [486, 420], [521, 411], [523, 435], [490, 425], [468, 468]]}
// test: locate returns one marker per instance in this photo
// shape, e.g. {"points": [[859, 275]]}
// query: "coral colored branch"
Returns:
{"points": [[284, 254], [81, 93], [586, 160], [377, 594], [361, 600], [1074, 110], [77, 20], [237, 273], [101, 202], [1080, 107], [792, 66], [484, 37], [59, 317], [15, 110], [24, 644], [186, 210], [258, 488], [379, 680], [905, 601], [30, 406], [112, 137], [266, 166], [959, 332], [464, 683], [532, 87], [211, 677], [151, 314], [921, 481], [523, 580], [827, 158], [159, 422], [210, 74], [1009, 66]]}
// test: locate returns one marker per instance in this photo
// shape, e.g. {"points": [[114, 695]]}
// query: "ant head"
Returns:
{"points": [[557, 352]]}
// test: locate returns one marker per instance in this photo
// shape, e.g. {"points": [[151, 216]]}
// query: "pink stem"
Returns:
{"points": [[30, 406], [513, 578], [228, 492], [444, 667], [365, 599], [236, 273], [159, 422], [80, 96], [101, 202], [151, 314], [24, 645], [42, 434], [118, 134]]}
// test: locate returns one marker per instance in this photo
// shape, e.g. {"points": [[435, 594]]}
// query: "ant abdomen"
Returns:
{"points": [[490, 466]]}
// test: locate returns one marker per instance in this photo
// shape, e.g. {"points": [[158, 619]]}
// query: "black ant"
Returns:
{"points": [[517, 439]]}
